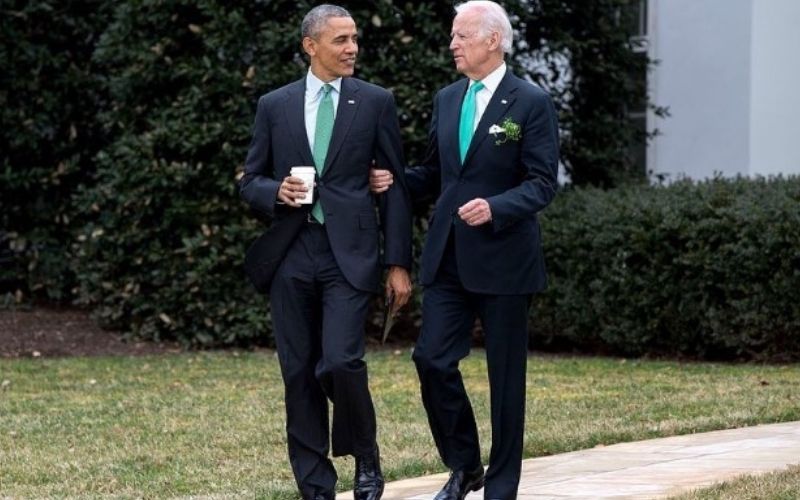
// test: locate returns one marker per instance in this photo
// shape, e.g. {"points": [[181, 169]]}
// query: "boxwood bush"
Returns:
{"points": [[84, 83], [708, 270], [49, 95]]}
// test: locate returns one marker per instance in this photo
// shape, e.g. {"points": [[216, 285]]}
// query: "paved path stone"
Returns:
{"points": [[640, 470]]}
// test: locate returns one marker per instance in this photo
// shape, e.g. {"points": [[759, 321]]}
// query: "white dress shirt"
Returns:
{"points": [[490, 84], [313, 98]]}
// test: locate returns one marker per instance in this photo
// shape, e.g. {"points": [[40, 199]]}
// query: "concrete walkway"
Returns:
{"points": [[640, 470]]}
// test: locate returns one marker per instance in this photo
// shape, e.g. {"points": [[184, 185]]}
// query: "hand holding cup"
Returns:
{"points": [[298, 188]]}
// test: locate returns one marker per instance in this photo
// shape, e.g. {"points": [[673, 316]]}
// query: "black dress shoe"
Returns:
{"points": [[460, 483], [323, 496], [368, 482]]}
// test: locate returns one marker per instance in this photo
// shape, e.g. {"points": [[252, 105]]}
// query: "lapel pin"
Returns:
{"points": [[350, 101], [504, 101]]}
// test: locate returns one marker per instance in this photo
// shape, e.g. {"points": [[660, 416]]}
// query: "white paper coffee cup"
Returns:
{"points": [[307, 174]]}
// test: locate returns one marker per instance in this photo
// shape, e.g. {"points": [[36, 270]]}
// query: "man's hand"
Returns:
{"points": [[398, 284], [291, 189], [475, 212], [379, 180]]}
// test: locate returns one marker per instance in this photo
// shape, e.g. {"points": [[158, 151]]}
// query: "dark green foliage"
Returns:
{"points": [[125, 126], [405, 49], [596, 38], [709, 270], [162, 255], [49, 93], [162, 252]]}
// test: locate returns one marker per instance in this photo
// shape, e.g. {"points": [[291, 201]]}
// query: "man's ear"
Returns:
{"points": [[309, 46], [494, 41]]}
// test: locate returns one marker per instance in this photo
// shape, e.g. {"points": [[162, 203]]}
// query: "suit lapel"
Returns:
{"points": [[498, 106], [295, 111], [345, 112]]}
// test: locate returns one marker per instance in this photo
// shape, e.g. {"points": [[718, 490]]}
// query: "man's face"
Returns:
{"points": [[471, 49], [333, 52]]}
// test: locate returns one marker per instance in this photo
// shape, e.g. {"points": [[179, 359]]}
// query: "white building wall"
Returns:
{"points": [[703, 77], [775, 88]]}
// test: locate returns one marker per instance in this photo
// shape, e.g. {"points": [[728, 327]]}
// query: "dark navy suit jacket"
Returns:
{"points": [[518, 178], [365, 128]]}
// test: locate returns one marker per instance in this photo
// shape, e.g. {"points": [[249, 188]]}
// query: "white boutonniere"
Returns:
{"points": [[509, 129]]}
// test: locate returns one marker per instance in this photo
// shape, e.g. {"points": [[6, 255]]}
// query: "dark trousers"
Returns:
{"points": [[448, 315], [318, 320]]}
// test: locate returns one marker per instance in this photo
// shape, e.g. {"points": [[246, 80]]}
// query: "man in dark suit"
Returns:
{"points": [[492, 161], [321, 289]]}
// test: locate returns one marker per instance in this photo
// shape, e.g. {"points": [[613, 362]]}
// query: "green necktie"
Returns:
{"points": [[322, 137], [467, 121]]}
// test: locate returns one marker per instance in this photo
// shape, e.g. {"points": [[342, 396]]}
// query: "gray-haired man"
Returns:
{"points": [[492, 165]]}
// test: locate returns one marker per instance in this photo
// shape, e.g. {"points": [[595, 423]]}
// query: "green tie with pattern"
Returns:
{"points": [[322, 137], [467, 121]]}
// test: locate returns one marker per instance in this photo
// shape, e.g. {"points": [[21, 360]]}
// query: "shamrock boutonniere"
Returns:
{"points": [[510, 130]]}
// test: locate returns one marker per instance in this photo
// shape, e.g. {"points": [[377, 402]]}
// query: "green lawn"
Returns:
{"points": [[211, 424], [782, 485]]}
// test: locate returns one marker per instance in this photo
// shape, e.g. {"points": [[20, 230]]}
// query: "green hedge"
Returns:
{"points": [[50, 92], [161, 251], [85, 84], [125, 126], [706, 270]]}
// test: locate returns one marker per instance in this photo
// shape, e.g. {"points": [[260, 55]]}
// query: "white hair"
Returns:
{"points": [[494, 18]]}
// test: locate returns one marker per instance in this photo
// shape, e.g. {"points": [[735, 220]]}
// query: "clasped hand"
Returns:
{"points": [[474, 212]]}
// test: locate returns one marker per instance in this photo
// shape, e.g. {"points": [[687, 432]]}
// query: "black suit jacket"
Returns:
{"points": [[365, 129], [518, 178]]}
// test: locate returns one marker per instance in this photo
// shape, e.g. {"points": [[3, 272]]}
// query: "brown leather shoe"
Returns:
{"points": [[460, 483]]}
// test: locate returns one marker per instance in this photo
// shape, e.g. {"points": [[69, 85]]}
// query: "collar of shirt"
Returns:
{"points": [[314, 87], [490, 84], [493, 79]]}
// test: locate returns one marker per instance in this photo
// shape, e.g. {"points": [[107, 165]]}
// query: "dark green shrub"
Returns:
{"points": [[709, 270], [162, 252], [125, 124], [589, 45], [49, 94]]}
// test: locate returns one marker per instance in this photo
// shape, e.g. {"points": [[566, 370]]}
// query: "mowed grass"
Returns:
{"points": [[780, 485], [212, 424]]}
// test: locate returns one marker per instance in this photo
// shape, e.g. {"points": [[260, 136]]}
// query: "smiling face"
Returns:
{"points": [[333, 51], [475, 53]]}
